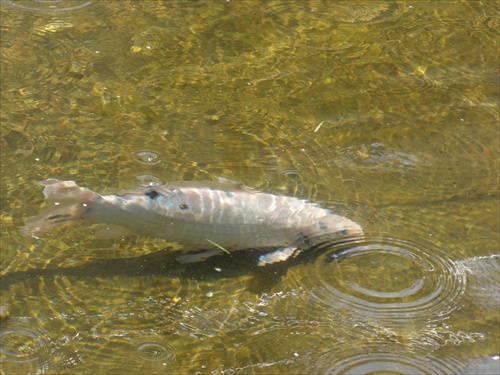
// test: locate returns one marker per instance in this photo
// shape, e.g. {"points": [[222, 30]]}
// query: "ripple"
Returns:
{"points": [[308, 166], [48, 5], [487, 365], [36, 62], [153, 349], [24, 344], [19, 56], [147, 157], [483, 279], [160, 90], [320, 29], [148, 180], [389, 279], [373, 361]]}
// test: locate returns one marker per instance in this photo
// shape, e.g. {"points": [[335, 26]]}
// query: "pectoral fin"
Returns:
{"points": [[279, 255]]}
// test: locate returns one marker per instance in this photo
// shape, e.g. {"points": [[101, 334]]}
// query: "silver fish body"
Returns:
{"points": [[212, 215]]}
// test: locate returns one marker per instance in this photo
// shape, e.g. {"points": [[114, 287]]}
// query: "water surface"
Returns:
{"points": [[385, 111]]}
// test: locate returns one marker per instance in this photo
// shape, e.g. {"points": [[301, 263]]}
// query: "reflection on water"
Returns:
{"points": [[384, 111], [488, 365], [483, 276]]}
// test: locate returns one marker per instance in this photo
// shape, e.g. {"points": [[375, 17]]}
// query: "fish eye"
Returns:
{"points": [[152, 194]]}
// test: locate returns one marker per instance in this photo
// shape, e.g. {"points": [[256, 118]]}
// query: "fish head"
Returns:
{"points": [[333, 227]]}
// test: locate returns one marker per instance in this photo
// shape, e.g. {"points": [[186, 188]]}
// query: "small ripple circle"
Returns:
{"points": [[148, 181], [48, 5], [21, 345], [389, 279], [152, 350], [147, 157], [376, 362]]}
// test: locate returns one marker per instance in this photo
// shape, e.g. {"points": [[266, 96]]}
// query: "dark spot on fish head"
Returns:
{"points": [[152, 194], [183, 206], [228, 194], [322, 226], [306, 240], [342, 233]]}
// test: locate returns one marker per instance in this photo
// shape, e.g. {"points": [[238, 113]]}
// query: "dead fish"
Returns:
{"points": [[205, 217]]}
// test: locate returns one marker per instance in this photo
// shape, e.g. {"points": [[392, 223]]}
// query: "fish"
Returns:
{"points": [[206, 218]]}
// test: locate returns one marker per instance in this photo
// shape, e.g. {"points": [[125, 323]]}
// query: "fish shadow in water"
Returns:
{"points": [[164, 264]]}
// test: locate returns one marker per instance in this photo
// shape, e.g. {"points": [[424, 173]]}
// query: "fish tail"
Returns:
{"points": [[67, 204]]}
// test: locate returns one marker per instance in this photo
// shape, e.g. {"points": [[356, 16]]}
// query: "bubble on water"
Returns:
{"points": [[149, 180], [147, 157]]}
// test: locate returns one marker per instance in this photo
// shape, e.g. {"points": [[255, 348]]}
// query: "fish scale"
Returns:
{"points": [[210, 215]]}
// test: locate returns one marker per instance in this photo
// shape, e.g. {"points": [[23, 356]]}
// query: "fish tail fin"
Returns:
{"points": [[67, 204]]}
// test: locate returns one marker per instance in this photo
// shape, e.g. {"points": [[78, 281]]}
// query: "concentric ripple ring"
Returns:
{"points": [[21, 345], [48, 5], [150, 349], [389, 279], [147, 157], [383, 362]]}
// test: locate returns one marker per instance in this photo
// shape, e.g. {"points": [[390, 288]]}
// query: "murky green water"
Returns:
{"points": [[385, 111]]}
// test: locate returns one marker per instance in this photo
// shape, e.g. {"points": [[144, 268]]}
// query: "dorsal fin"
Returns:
{"points": [[219, 183]]}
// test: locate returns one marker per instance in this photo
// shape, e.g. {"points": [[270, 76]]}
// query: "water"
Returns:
{"points": [[384, 111]]}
